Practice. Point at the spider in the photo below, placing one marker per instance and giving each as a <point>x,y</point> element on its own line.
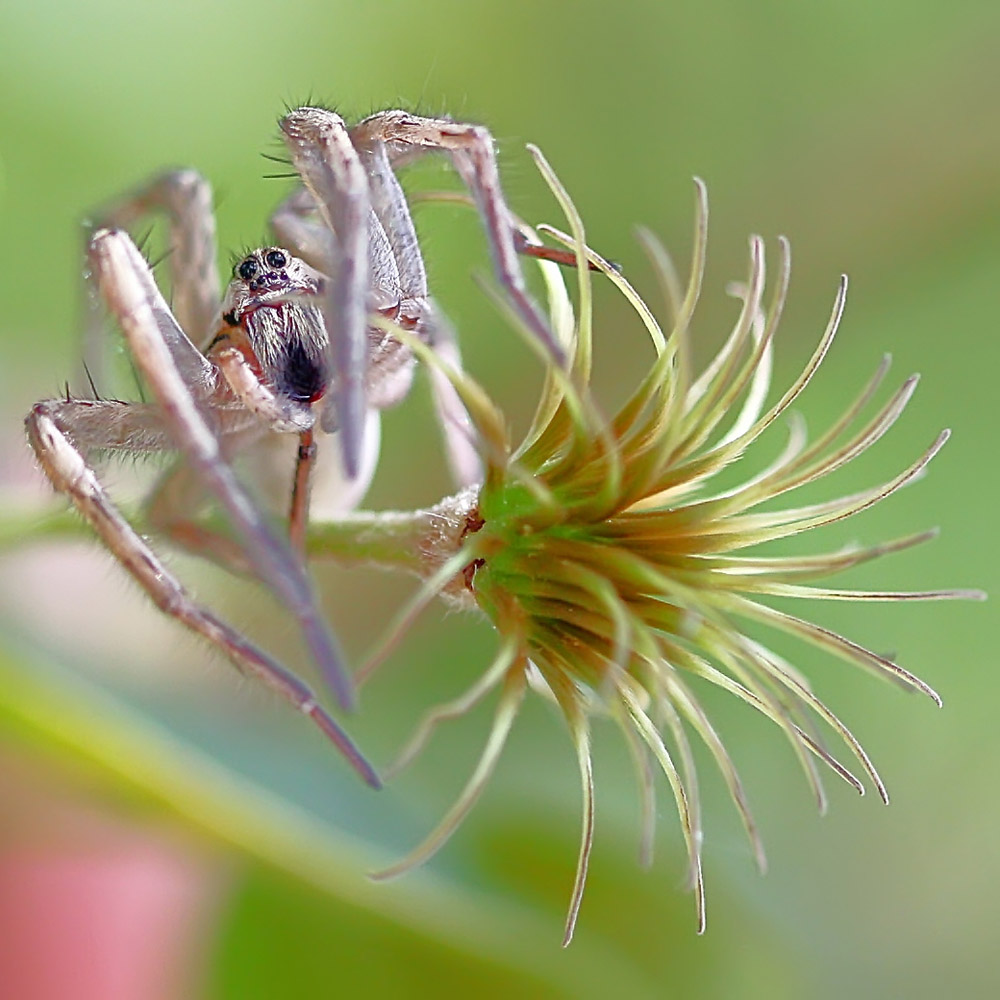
<point>290,351</point>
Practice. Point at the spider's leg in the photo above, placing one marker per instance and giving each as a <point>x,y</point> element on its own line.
<point>298,512</point>
<point>134,299</point>
<point>470,148</point>
<point>109,425</point>
<point>70,474</point>
<point>294,226</point>
<point>185,198</point>
<point>112,425</point>
<point>279,413</point>
<point>393,213</point>
<point>332,171</point>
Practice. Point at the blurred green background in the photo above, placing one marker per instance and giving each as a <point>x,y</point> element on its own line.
<point>867,133</point>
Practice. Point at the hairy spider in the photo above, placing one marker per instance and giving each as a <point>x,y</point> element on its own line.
<point>291,350</point>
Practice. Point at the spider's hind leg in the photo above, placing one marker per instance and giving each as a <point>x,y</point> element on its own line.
<point>331,170</point>
<point>185,198</point>
<point>70,474</point>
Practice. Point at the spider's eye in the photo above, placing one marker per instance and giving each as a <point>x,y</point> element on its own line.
<point>275,258</point>
<point>247,269</point>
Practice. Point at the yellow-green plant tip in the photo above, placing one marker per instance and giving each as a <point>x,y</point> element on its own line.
<point>458,707</point>
<point>514,685</point>
<point>582,353</point>
<point>573,704</point>
<point>664,269</point>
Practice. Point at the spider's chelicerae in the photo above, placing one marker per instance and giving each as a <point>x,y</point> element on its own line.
<point>291,350</point>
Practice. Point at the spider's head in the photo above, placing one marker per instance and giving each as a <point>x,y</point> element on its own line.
<point>266,276</point>
<point>271,300</point>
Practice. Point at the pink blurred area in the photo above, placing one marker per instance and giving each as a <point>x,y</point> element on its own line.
<point>93,905</point>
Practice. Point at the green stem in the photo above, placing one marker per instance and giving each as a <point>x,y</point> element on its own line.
<point>419,541</point>
<point>393,539</point>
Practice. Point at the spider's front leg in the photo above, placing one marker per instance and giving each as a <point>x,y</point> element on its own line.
<point>50,426</point>
<point>332,171</point>
<point>416,309</point>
